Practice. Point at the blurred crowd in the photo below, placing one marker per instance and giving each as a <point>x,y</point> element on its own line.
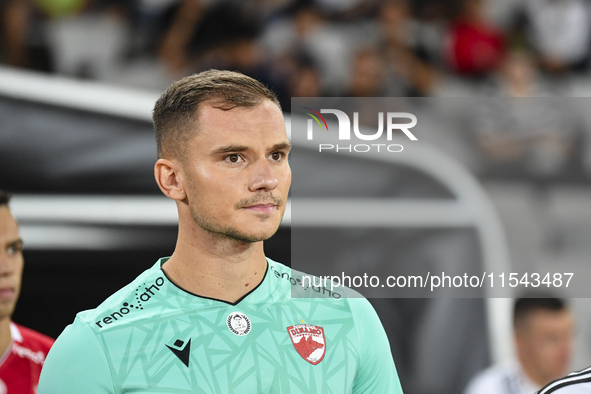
<point>352,48</point>
<point>359,48</point>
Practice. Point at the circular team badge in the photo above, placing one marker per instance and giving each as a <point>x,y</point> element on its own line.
<point>238,323</point>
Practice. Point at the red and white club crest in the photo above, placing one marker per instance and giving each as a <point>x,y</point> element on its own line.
<point>308,341</point>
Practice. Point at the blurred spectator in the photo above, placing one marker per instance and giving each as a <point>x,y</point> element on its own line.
<point>543,335</point>
<point>430,25</point>
<point>560,33</point>
<point>23,35</point>
<point>346,10</point>
<point>173,44</point>
<point>518,76</point>
<point>72,37</point>
<point>305,82</point>
<point>409,75</point>
<point>475,47</point>
<point>368,75</point>
<point>324,42</point>
<point>149,20</point>
<point>89,41</point>
<point>23,350</point>
<point>205,34</point>
<point>294,75</point>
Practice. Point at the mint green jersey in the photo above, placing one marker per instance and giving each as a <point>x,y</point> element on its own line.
<point>154,337</point>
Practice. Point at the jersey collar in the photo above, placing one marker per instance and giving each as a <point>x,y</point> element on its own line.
<point>251,296</point>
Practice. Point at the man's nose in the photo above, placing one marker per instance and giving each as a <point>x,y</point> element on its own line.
<point>263,177</point>
<point>5,264</point>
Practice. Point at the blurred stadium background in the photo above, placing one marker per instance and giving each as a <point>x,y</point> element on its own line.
<point>78,79</point>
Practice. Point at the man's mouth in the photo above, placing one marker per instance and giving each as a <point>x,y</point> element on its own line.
<point>7,293</point>
<point>262,208</point>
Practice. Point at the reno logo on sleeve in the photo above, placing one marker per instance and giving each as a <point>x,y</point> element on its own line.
<point>143,294</point>
<point>308,341</point>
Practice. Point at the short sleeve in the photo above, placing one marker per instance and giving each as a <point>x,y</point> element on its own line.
<point>76,364</point>
<point>376,373</point>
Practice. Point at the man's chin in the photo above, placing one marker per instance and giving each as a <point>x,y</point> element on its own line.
<point>6,311</point>
<point>242,236</point>
<point>250,238</point>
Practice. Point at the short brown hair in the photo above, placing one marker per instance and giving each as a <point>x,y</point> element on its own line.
<point>539,302</point>
<point>176,112</point>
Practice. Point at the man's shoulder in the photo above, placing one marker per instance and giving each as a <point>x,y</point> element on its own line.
<point>30,338</point>
<point>574,383</point>
<point>305,285</point>
<point>302,287</point>
<point>130,299</point>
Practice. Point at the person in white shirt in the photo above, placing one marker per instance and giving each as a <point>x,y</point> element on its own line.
<point>543,334</point>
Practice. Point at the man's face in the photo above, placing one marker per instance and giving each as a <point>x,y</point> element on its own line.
<point>237,173</point>
<point>11,263</point>
<point>545,342</point>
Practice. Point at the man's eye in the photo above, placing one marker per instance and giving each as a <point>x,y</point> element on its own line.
<point>234,158</point>
<point>12,250</point>
<point>277,156</point>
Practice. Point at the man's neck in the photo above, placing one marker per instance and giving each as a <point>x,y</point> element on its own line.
<point>216,267</point>
<point>530,373</point>
<point>5,335</point>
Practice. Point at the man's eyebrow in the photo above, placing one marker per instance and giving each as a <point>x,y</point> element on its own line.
<point>241,148</point>
<point>282,146</point>
<point>230,148</point>
<point>16,242</point>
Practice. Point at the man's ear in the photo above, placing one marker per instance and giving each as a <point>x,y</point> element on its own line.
<point>169,178</point>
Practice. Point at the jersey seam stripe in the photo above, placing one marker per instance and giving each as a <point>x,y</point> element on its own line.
<point>560,383</point>
<point>573,375</point>
<point>359,340</point>
<point>217,299</point>
<point>104,352</point>
<point>578,373</point>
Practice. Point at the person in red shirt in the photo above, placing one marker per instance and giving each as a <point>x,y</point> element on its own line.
<point>23,350</point>
<point>475,47</point>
